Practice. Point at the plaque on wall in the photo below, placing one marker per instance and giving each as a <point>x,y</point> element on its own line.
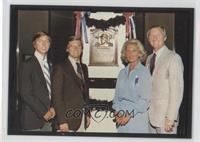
<point>103,47</point>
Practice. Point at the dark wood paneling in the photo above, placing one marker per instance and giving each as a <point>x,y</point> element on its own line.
<point>184,47</point>
<point>62,26</point>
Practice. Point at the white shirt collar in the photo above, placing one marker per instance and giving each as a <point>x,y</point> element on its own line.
<point>39,56</point>
<point>73,62</point>
<point>159,52</point>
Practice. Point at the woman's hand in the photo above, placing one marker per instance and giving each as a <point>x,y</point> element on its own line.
<point>122,119</point>
<point>125,119</point>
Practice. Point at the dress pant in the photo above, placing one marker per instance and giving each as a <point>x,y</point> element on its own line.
<point>161,130</point>
<point>82,126</point>
<point>46,128</point>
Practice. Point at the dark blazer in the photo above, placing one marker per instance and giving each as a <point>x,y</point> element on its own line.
<point>67,94</point>
<point>34,94</point>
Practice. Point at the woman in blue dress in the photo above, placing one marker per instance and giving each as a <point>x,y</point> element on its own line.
<point>133,91</point>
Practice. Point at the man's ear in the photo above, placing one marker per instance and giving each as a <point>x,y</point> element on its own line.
<point>67,50</point>
<point>33,44</point>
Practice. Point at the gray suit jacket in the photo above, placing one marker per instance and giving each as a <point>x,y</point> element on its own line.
<point>34,94</point>
<point>167,87</point>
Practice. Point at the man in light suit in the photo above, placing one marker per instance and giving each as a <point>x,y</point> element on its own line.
<point>167,89</point>
<point>70,90</point>
<point>35,87</point>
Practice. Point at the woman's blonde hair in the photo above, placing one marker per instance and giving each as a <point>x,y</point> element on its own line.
<point>140,47</point>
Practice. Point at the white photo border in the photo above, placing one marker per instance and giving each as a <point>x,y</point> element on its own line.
<point>137,3</point>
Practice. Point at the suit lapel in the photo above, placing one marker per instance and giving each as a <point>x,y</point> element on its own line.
<point>148,61</point>
<point>39,70</point>
<point>73,73</point>
<point>162,59</point>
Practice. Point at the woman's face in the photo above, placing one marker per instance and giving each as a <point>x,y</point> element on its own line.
<point>132,53</point>
<point>42,44</point>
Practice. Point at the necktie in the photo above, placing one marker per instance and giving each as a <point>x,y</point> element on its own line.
<point>152,63</point>
<point>81,76</point>
<point>80,71</point>
<point>47,77</point>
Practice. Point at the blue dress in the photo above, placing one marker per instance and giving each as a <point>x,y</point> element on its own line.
<point>132,94</point>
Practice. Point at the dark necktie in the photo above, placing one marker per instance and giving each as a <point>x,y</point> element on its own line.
<point>81,76</point>
<point>152,63</point>
<point>80,71</point>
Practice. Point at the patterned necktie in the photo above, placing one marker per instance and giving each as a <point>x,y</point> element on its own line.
<point>47,76</point>
<point>152,63</point>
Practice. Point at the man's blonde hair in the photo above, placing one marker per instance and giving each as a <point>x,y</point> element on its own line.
<point>76,40</point>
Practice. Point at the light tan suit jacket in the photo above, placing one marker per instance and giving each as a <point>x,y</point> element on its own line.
<point>167,87</point>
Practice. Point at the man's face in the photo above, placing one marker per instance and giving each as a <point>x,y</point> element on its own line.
<point>42,44</point>
<point>156,38</point>
<point>74,50</point>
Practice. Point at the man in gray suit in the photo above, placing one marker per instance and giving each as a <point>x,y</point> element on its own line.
<point>166,68</point>
<point>35,87</point>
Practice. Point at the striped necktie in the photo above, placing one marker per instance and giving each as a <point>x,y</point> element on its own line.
<point>47,76</point>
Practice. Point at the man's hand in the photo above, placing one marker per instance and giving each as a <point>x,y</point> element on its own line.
<point>53,113</point>
<point>169,125</point>
<point>50,114</point>
<point>47,116</point>
<point>64,127</point>
<point>87,121</point>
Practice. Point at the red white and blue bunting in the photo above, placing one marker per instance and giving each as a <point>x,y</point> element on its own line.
<point>83,21</point>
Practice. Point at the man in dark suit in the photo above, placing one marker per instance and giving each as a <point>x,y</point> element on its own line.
<point>35,87</point>
<point>70,90</point>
